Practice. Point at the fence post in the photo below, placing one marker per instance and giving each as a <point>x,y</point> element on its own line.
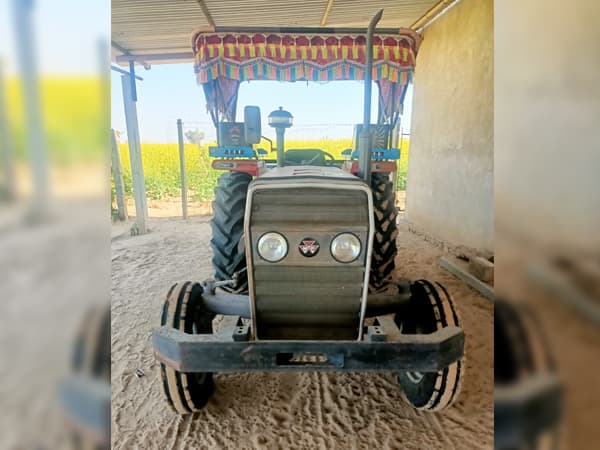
<point>135,156</point>
<point>117,173</point>
<point>184,205</point>
<point>7,149</point>
<point>395,132</point>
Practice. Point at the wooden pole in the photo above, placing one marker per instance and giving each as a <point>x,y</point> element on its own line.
<point>7,148</point>
<point>117,173</point>
<point>182,169</point>
<point>135,156</point>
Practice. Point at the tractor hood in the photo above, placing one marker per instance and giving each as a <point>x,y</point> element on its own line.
<point>307,293</point>
<point>307,171</point>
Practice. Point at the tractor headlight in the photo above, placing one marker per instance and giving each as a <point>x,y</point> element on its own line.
<point>345,247</point>
<point>272,247</point>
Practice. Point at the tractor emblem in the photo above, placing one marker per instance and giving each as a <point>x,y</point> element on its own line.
<point>309,247</point>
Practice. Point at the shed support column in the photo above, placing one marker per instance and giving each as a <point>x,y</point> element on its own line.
<point>135,155</point>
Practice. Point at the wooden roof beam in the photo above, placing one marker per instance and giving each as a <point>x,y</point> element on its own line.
<point>431,15</point>
<point>207,14</point>
<point>325,17</point>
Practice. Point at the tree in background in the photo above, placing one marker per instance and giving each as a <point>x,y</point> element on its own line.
<point>194,136</point>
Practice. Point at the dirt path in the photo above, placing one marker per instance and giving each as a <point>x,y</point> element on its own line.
<point>280,410</point>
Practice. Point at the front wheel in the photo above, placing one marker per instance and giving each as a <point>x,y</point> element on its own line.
<point>429,309</point>
<point>186,392</point>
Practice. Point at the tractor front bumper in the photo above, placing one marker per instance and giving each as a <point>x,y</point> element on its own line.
<point>383,348</point>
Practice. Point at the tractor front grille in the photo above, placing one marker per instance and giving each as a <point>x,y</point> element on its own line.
<point>307,297</point>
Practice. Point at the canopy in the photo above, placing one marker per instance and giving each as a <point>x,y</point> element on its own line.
<point>223,60</point>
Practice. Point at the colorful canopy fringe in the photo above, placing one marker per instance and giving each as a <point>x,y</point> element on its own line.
<point>293,58</point>
<point>224,60</point>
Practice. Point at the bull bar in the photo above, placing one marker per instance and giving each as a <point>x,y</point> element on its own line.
<point>382,348</point>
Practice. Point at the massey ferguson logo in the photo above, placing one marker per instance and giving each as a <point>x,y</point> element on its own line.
<point>309,247</point>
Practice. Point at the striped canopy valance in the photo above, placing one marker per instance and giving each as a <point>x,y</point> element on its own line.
<point>287,57</point>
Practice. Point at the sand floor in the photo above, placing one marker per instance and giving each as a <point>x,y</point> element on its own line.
<point>280,410</point>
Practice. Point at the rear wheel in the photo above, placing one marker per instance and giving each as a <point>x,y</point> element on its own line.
<point>227,224</point>
<point>429,309</point>
<point>186,392</point>
<point>386,231</point>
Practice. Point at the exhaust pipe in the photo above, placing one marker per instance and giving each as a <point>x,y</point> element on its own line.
<point>364,139</point>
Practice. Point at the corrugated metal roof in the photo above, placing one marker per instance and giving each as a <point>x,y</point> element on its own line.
<point>163,29</point>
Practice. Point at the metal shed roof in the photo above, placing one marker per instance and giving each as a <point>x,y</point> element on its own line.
<point>159,31</point>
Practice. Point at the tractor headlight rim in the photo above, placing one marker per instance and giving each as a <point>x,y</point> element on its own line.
<point>267,247</point>
<point>346,247</point>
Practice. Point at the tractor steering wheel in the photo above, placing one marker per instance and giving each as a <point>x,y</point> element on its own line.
<point>324,153</point>
<point>309,162</point>
<point>329,155</point>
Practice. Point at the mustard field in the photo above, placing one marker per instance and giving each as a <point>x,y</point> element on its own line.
<point>162,175</point>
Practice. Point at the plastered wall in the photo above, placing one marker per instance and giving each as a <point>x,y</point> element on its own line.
<point>450,192</point>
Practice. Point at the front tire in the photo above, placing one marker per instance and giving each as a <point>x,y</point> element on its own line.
<point>429,309</point>
<point>186,392</point>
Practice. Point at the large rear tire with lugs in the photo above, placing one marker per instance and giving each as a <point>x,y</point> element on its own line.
<point>186,392</point>
<point>386,231</point>
<point>430,309</point>
<point>227,224</point>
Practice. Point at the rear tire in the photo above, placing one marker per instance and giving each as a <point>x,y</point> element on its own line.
<point>227,224</point>
<point>186,392</point>
<point>429,309</point>
<point>386,231</point>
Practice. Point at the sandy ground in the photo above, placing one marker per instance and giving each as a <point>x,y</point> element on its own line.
<point>280,410</point>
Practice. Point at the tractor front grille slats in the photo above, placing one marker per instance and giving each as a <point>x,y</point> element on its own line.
<point>309,207</point>
<point>300,297</point>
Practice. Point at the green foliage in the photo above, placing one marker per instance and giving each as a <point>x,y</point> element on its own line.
<point>162,174</point>
<point>403,165</point>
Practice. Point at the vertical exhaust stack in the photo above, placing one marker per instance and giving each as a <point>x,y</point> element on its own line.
<point>364,139</point>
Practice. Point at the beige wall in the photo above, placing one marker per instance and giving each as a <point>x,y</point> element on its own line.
<point>450,192</point>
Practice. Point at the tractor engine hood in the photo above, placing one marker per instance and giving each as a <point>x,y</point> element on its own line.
<point>305,292</point>
<point>306,171</point>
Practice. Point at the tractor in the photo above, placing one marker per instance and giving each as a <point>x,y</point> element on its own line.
<point>303,244</point>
